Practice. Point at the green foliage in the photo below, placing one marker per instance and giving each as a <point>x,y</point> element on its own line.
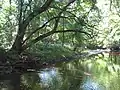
<point>51,51</point>
<point>83,15</point>
<point>7,25</point>
<point>74,17</point>
<point>86,16</point>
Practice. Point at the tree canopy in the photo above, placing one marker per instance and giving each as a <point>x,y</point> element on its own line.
<point>25,22</point>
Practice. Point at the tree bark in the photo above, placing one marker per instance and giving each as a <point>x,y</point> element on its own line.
<point>17,45</point>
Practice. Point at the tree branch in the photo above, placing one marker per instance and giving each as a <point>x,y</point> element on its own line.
<point>50,33</point>
<point>17,45</point>
<point>37,11</point>
<point>75,30</point>
<point>20,17</point>
<point>41,27</point>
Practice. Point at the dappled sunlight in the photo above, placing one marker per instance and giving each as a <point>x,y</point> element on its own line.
<point>99,74</point>
<point>104,72</point>
<point>60,44</point>
<point>90,84</point>
<point>50,78</point>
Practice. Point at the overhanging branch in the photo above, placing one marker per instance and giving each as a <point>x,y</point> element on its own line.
<point>57,20</point>
<point>17,45</point>
<point>37,11</point>
<point>50,33</point>
<point>41,27</point>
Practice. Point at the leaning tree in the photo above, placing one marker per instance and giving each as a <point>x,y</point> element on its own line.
<point>25,23</point>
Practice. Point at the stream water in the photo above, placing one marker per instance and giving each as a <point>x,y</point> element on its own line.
<point>98,72</point>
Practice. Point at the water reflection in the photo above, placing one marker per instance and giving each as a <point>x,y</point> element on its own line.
<point>47,74</point>
<point>50,78</point>
<point>101,72</point>
<point>50,75</point>
<point>90,84</point>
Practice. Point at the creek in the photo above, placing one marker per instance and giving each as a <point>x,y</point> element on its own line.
<point>96,72</point>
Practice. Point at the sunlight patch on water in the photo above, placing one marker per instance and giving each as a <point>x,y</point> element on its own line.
<point>48,75</point>
<point>90,84</point>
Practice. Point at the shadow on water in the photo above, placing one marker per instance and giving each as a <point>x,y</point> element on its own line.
<point>10,81</point>
<point>101,72</point>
